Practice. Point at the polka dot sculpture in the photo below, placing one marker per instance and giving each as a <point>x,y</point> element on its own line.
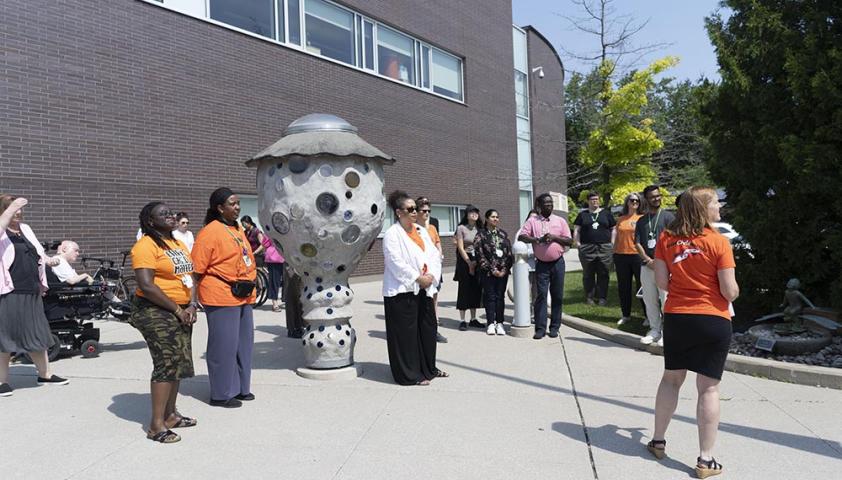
<point>320,195</point>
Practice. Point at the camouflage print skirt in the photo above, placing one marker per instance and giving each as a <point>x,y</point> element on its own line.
<point>168,340</point>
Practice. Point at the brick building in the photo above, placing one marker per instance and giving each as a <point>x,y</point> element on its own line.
<point>108,104</point>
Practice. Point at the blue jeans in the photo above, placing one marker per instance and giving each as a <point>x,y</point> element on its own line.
<point>550,277</point>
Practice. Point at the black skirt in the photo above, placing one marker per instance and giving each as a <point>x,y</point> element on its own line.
<point>698,343</point>
<point>469,294</point>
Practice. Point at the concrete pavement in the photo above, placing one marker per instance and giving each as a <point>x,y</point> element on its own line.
<point>578,407</point>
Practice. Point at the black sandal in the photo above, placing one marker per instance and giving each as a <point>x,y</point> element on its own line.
<point>707,468</point>
<point>658,448</point>
<point>184,422</point>
<point>442,374</point>
<point>165,436</point>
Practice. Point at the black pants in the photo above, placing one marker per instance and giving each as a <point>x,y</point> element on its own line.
<point>411,337</point>
<point>276,279</point>
<point>494,295</point>
<point>628,267</point>
<point>596,260</point>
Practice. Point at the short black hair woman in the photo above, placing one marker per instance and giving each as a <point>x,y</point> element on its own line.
<point>469,295</point>
<point>410,280</point>
<point>494,257</point>
<point>164,311</point>
<point>224,260</point>
<point>695,264</point>
<point>23,281</point>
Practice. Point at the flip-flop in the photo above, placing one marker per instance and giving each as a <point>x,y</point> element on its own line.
<point>184,422</point>
<point>165,436</point>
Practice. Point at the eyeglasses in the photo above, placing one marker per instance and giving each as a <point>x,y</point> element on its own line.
<point>410,209</point>
<point>166,214</point>
<point>184,222</point>
<point>425,211</point>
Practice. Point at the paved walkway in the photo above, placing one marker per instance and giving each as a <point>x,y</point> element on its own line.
<point>577,408</point>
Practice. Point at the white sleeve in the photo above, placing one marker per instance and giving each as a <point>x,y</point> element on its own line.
<point>394,261</point>
<point>64,271</point>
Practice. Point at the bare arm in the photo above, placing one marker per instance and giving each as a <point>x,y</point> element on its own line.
<point>153,293</point>
<point>260,249</point>
<point>806,300</point>
<point>662,274</point>
<point>6,216</point>
<point>460,247</point>
<point>645,259</point>
<point>728,284</point>
<point>82,277</point>
<point>614,236</point>
<point>576,235</point>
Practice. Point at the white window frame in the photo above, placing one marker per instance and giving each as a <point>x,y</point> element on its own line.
<point>303,47</point>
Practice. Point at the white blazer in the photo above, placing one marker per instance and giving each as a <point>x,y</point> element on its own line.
<point>404,261</point>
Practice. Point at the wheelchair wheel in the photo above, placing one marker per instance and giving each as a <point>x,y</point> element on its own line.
<point>262,288</point>
<point>89,348</point>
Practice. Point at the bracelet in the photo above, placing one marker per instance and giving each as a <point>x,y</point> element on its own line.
<point>178,311</point>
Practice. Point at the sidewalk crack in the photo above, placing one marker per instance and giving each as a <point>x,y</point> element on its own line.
<point>579,408</point>
<point>364,435</point>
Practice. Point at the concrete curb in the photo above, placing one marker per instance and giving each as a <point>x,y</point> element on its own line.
<point>759,367</point>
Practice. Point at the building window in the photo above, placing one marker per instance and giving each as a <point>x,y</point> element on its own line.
<point>447,75</point>
<point>395,55</point>
<point>521,95</point>
<point>256,16</point>
<point>368,42</point>
<point>281,23</point>
<point>294,16</point>
<point>329,31</point>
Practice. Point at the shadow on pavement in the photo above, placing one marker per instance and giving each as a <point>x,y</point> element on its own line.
<point>377,334</point>
<point>624,441</point>
<point>377,372</point>
<point>132,407</point>
<point>803,443</point>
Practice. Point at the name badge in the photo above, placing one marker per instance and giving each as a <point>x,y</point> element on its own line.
<point>595,225</point>
<point>187,280</point>
<point>499,252</point>
<point>651,243</point>
<point>247,260</point>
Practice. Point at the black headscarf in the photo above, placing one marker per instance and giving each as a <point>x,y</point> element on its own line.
<point>217,198</point>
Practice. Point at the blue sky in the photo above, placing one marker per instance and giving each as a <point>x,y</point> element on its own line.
<point>678,22</point>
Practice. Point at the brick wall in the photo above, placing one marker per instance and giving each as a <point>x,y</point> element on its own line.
<point>108,104</point>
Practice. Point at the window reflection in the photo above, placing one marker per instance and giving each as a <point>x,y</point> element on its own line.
<point>256,16</point>
<point>329,31</point>
<point>395,55</point>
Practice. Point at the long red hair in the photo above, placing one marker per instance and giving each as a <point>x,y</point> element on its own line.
<point>692,215</point>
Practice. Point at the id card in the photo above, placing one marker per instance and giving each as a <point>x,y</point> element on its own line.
<point>187,280</point>
<point>595,225</point>
<point>499,253</point>
<point>651,243</point>
<point>247,260</point>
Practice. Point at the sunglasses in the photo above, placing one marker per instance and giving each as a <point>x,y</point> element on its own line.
<point>410,209</point>
<point>184,222</point>
<point>634,200</point>
<point>166,214</point>
<point>425,211</point>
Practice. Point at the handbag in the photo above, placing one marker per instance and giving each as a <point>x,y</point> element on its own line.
<point>239,288</point>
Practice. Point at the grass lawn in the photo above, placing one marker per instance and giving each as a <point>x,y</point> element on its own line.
<point>574,304</point>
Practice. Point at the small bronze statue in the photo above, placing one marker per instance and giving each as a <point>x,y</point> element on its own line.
<point>793,306</point>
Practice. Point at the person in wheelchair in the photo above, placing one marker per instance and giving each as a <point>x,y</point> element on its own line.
<point>68,252</point>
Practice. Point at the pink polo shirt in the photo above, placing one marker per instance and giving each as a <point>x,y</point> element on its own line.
<point>537,226</point>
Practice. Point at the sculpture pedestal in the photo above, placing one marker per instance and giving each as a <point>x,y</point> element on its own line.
<point>345,373</point>
<point>522,332</point>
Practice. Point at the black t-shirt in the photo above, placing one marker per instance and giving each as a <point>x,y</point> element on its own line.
<point>595,227</point>
<point>649,227</point>
<point>24,269</point>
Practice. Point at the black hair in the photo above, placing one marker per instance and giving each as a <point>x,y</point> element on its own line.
<point>422,201</point>
<point>650,188</point>
<point>397,199</point>
<point>247,219</point>
<point>145,218</point>
<point>217,198</point>
<point>490,211</point>
<point>469,209</point>
<point>181,215</point>
<point>540,198</point>
<point>593,193</point>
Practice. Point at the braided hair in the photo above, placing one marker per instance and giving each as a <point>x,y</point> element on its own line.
<point>145,218</point>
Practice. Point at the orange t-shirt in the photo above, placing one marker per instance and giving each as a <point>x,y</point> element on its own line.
<point>416,237</point>
<point>173,268</point>
<point>693,264</point>
<point>434,234</point>
<point>624,243</point>
<point>219,251</point>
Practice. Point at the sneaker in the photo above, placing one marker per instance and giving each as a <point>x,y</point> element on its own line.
<point>463,326</point>
<point>500,329</point>
<point>53,380</point>
<point>661,342</point>
<point>622,320</point>
<point>5,390</point>
<point>491,330</point>
<point>539,334</point>
<point>602,302</point>
<point>441,338</point>
<point>589,301</point>
<point>553,333</point>
<point>650,337</point>
<point>475,323</point>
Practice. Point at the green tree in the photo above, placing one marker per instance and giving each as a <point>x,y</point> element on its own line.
<point>621,145</point>
<point>775,127</point>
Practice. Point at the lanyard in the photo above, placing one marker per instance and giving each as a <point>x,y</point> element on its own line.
<point>239,244</point>
<point>594,216</point>
<point>652,233</point>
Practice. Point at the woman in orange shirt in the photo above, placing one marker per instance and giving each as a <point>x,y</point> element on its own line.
<point>224,259</point>
<point>164,310</point>
<point>695,264</point>
<point>626,259</point>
